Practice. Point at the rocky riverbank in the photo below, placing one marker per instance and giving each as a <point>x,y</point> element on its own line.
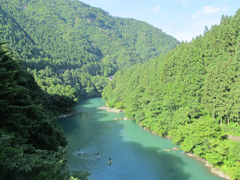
<point>115,110</point>
<point>146,128</point>
<point>111,109</point>
<point>125,119</point>
<point>213,169</point>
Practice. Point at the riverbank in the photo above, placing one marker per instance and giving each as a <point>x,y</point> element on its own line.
<point>111,109</point>
<point>117,111</point>
<point>213,169</point>
<point>125,119</point>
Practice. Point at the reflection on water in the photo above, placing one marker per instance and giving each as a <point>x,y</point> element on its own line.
<point>136,153</point>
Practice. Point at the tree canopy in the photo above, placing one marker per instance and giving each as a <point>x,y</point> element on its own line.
<point>66,43</point>
<point>32,145</point>
<point>190,94</point>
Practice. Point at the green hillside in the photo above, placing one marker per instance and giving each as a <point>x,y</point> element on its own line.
<point>190,94</point>
<point>32,145</point>
<point>71,48</point>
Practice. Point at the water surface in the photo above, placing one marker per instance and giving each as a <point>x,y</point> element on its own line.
<point>137,154</point>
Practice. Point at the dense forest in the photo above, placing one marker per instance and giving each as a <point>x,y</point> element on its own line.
<point>32,145</point>
<point>56,52</point>
<point>59,51</point>
<point>71,48</point>
<point>191,94</point>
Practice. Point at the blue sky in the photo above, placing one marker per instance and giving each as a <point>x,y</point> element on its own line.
<point>183,19</point>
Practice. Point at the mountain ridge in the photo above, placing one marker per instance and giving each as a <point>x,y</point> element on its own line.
<point>71,35</point>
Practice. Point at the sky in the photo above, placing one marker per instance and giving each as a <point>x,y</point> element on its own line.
<point>182,19</point>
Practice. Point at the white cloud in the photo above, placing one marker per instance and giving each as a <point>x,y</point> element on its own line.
<point>206,10</point>
<point>209,10</point>
<point>194,16</point>
<point>183,0</point>
<point>156,9</point>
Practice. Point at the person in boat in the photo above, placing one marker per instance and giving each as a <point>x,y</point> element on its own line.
<point>110,161</point>
<point>98,156</point>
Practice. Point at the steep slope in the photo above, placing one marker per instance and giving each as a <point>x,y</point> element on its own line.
<point>32,145</point>
<point>55,36</point>
<point>190,94</point>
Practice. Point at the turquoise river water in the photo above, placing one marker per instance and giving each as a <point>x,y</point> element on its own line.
<point>137,154</point>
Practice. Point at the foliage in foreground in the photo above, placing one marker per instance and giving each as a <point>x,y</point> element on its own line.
<point>32,145</point>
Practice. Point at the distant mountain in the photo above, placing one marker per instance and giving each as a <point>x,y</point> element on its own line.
<point>71,48</point>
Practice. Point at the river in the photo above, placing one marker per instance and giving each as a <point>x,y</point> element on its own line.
<point>137,154</point>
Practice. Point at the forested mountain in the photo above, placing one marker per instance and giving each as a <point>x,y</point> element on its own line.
<point>32,145</point>
<point>71,48</point>
<point>190,94</point>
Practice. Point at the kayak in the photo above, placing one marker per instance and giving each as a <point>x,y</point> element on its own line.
<point>110,161</point>
<point>166,149</point>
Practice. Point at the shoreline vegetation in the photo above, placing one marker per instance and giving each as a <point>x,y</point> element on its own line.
<point>214,170</point>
